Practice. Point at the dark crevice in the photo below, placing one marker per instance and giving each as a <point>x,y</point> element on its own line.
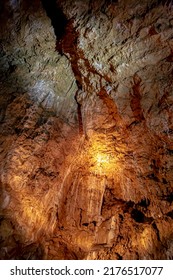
<point>80,216</point>
<point>156,230</point>
<point>138,216</point>
<point>58,19</point>
<point>119,257</point>
<point>164,181</point>
<point>121,218</point>
<point>144,203</point>
<point>91,223</point>
<point>85,224</point>
<point>170,214</point>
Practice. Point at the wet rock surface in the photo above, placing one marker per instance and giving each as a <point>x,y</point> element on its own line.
<point>86,147</point>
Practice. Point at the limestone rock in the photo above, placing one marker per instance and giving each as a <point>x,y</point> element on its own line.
<point>86,147</point>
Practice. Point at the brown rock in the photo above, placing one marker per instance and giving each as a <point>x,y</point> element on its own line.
<point>86,134</point>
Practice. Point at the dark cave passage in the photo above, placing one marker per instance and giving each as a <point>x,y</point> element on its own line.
<point>58,19</point>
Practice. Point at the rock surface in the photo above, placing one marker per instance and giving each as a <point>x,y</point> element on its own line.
<point>86,147</point>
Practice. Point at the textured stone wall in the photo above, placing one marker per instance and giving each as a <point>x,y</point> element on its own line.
<point>38,115</point>
<point>86,130</point>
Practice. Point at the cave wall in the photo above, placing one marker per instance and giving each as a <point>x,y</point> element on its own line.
<point>36,124</point>
<point>86,129</point>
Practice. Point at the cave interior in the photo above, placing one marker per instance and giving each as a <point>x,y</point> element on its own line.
<point>86,130</point>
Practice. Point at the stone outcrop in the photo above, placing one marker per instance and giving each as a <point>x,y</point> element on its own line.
<point>86,130</point>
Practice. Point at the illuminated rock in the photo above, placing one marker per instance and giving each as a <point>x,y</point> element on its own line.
<point>86,149</point>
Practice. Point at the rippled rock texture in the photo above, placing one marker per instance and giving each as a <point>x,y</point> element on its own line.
<point>86,130</point>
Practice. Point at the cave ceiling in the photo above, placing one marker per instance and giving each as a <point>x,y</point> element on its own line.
<point>86,129</point>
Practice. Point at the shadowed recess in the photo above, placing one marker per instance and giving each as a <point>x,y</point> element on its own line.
<point>57,17</point>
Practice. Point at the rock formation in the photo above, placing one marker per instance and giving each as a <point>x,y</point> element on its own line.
<point>86,129</point>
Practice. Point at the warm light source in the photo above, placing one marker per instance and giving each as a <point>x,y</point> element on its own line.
<point>103,163</point>
<point>103,158</point>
